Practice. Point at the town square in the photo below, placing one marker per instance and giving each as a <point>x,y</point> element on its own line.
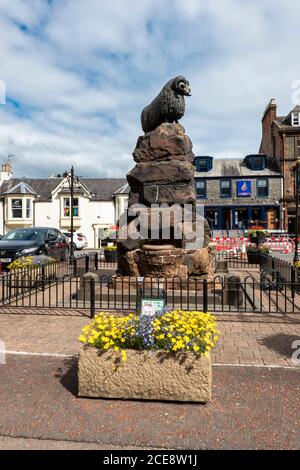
<point>149,229</point>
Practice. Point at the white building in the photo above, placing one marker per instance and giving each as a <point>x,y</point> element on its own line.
<point>28,202</point>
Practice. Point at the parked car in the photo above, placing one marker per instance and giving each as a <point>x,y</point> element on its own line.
<point>32,241</point>
<point>79,240</point>
<point>1,236</point>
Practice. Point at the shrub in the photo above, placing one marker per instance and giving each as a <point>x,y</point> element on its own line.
<point>258,249</point>
<point>174,330</point>
<point>256,232</point>
<point>110,248</point>
<point>26,262</point>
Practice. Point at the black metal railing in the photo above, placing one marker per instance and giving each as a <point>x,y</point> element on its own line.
<point>95,293</point>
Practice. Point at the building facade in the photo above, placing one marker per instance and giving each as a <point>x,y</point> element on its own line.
<point>281,140</point>
<point>239,193</point>
<point>27,202</point>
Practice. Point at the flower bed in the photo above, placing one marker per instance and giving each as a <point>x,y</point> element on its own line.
<point>30,271</point>
<point>26,262</point>
<point>165,357</point>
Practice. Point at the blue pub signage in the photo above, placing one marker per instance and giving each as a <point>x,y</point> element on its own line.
<point>243,188</point>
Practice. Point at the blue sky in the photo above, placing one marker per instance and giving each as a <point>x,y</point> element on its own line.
<point>79,72</point>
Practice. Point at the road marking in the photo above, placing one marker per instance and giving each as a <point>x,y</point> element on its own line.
<point>263,366</point>
<point>26,353</point>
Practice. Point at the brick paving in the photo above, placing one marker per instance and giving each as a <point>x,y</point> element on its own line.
<point>245,338</point>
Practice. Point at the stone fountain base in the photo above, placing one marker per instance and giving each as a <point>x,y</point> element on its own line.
<point>167,261</point>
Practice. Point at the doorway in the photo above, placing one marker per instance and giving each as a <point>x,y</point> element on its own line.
<point>241,218</point>
<point>272,219</point>
<point>226,219</point>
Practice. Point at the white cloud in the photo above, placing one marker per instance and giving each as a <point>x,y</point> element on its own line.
<point>81,73</point>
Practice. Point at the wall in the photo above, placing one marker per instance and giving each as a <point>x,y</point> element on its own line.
<point>213,192</point>
<point>91,215</point>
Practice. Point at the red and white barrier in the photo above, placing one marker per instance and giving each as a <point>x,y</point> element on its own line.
<point>275,244</point>
<point>229,243</point>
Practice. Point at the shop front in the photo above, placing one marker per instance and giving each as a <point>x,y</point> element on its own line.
<point>243,217</point>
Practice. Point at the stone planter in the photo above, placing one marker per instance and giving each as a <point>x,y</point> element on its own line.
<point>146,375</point>
<point>111,256</point>
<point>253,257</point>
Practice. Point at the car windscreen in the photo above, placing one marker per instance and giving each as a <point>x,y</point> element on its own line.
<point>28,234</point>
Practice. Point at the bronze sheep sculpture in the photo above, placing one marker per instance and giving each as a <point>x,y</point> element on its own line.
<point>168,106</point>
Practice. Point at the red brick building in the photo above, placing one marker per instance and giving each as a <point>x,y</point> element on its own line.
<point>281,139</point>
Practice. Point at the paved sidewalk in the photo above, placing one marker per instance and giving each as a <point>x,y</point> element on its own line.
<point>252,408</point>
<point>245,339</point>
<point>27,443</point>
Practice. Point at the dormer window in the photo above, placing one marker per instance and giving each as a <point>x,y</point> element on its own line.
<point>203,163</point>
<point>295,119</point>
<point>256,162</point>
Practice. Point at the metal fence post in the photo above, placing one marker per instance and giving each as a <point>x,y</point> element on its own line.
<point>205,297</point>
<point>87,263</point>
<point>75,267</point>
<point>96,261</point>
<point>92,288</point>
<point>293,280</point>
<point>43,278</point>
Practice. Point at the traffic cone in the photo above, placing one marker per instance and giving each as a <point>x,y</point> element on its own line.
<point>235,253</point>
<point>243,251</point>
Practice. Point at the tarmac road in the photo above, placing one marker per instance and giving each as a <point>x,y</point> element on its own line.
<point>252,408</point>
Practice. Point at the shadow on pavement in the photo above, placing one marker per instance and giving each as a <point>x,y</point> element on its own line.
<point>280,343</point>
<point>67,373</point>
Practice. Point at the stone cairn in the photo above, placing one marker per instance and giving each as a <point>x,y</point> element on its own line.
<point>163,175</point>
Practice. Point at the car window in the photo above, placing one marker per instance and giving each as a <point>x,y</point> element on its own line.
<point>25,234</point>
<point>52,233</point>
<point>61,236</point>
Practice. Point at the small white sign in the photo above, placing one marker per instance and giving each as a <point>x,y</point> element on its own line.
<point>152,306</point>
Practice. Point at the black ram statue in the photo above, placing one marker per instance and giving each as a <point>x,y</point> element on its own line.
<point>168,106</point>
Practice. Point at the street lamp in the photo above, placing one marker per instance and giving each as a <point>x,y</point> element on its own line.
<point>297,178</point>
<point>70,178</point>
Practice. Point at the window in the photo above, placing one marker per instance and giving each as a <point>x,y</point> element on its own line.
<point>298,148</point>
<point>16,208</point>
<point>295,119</point>
<point>67,207</point>
<point>262,187</point>
<point>201,188</point>
<point>257,162</point>
<point>203,163</point>
<point>28,208</point>
<point>225,188</point>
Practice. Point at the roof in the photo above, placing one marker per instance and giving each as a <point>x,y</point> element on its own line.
<point>21,188</point>
<point>124,189</point>
<point>102,189</point>
<point>237,168</point>
<point>285,122</point>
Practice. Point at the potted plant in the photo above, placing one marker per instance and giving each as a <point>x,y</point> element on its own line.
<point>111,254</point>
<point>257,254</point>
<point>257,235</point>
<point>159,357</point>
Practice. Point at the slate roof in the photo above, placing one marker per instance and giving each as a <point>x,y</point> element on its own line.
<point>102,189</point>
<point>21,188</point>
<point>285,122</point>
<point>236,167</point>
